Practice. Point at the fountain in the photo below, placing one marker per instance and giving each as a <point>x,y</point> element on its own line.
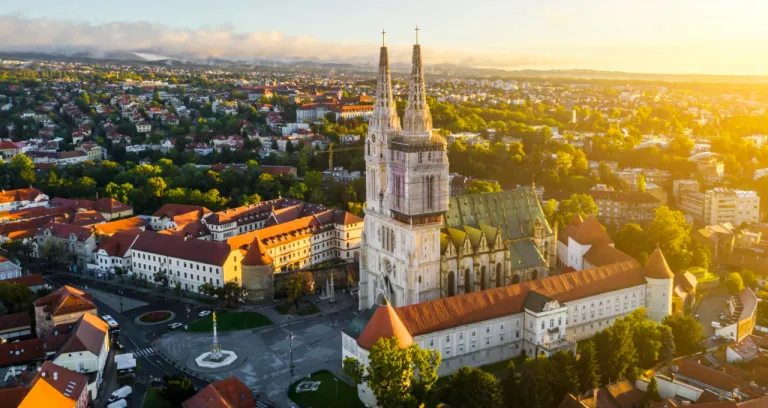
<point>216,358</point>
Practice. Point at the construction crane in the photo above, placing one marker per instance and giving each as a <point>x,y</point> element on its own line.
<point>331,151</point>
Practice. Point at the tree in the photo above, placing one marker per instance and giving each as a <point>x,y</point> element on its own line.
<point>581,204</point>
<point>667,350</point>
<point>50,250</point>
<point>587,368</point>
<point>671,233</point>
<point>177,389</point>
<point>161,278</point>
<point>120,272</point>
<point>23,171</point>
<point>391,374</point>
<point>469,388</point>
<point>565,378</point>
<point>231,292</point>
<point>641,183</point>
<point>686,332</point>
<point>298,285</point>
<point>734,283</point>
<point>481,186</point>
<point>616,353</point>
<point>535,384</point>
<point>631,240</point>
<point>207,288</point>
<point>16,297</point>
<point>652,392</point>
<point>748,276</point>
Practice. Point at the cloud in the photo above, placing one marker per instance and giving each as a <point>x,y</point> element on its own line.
<point>20,33</point>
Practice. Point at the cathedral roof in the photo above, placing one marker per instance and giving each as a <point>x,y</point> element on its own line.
<point>457,236</point>
<point>513,211</point>
<point>475,236</point>
<point>454,311</point>
<point>523,254</point>
<point>490,234</point>
<point>656,267</point>
<point>385,323</point>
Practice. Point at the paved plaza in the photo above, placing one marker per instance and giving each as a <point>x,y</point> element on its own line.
<point>113,301</point>
<point>267,352</point>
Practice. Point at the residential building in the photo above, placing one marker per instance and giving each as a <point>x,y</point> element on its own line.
<point>109,208</point>
<point>86,350</point>
<point>680,187</point>
<point>711,169</point>
<point>341,175</point>
<point>622,207</point>
<point>108,229</point>
<point>62,306</point>
<point>56,386</point>
<point>279,170</point>
<point>185,261</point>
<point>228,223</point>
<point>230,392</point>
<point>20,357</point>
<point>72,157</point>
<point>721,205</point>
<point>9,149</point>
<point>114,252</point>
<point>66,242</point>
<point>173,215</point>
<point>584,244</point>
<point>8,269</point>
<point>143,127</point>
<point>354,111</point>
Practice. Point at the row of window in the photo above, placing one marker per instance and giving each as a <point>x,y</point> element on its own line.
<point>196,266</point>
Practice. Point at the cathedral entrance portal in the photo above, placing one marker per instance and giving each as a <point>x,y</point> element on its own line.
<point>483,278</point>
<point>516,279</point>
<point>451,284</point>
<point>498,276</point>
<point>467,284</point>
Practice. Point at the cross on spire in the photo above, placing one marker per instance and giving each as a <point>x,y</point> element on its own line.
<point>382,37</point>
<point>417,34</point>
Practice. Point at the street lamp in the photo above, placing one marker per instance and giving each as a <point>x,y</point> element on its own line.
<point>121,300</point>
<point>336,380</point>
<point>290,346</point>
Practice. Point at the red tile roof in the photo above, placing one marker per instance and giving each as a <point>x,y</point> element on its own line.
<point>126,224</point>
<point>605,254</point>
<point>191,249</point>
<point>473,307</point>
<point>119,243</point>
<point>172,210</point>
<point>65,231</point>
<point>88,334</point>
<point>586,232</point>
<point>32,280</point>
<point>110,206</point>
<point>66,300</point>
<point>12,397</point>
<point>385,323</point>
<point>87,218</point>
<point>21,352</point>
<point>228,393</point>
<point>656,267</point>
<point>14,321</point>
<point>55,387</point>
<point>23,194</point>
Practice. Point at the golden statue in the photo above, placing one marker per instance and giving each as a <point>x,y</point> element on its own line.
<point>214,317</point>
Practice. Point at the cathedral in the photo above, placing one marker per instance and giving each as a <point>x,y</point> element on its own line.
<point>419,244</point>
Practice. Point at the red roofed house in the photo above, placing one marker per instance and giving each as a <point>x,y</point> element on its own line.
<point>228,393</point>
<point>168,215</point>
<point>64,305</point>
<point>279,170</point>
<point>114,252</point>
<point>20,357</point>
<point>57,387</point>
<point>15,325</point>
<point>15,199</point>
<point>9,149</point>
<point>86,350</point>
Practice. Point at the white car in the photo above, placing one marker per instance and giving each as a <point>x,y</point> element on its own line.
<point>204,313</point>
<point>175,325</point>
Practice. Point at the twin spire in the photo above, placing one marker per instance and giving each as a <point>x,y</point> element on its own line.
<point>417,121</point>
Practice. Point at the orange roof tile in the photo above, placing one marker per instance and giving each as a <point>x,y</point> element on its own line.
<point>125,224</point>
<point>55,387</point>
<point>605,254</point>
<point>227,393</point>
<point>449,312</point>
<point>385,323</point>
<point>257,256</point>
<point>656,267</point>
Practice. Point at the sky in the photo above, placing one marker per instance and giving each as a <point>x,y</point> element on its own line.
<point>651,36</point>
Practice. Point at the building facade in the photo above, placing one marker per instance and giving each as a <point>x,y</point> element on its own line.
<point>722,205</point>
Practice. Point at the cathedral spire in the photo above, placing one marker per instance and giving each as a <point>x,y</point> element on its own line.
<point>418,119</point>
<point>384,112</point>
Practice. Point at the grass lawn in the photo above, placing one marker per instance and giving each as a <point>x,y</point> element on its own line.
<point>153,399</point>
<point>230,321</point>
<point>325,396</point>
<point>305,308</point>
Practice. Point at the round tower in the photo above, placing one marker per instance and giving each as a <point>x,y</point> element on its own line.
<point>659,291</point>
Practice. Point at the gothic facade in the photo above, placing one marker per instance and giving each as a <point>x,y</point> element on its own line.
<point>418,243</point>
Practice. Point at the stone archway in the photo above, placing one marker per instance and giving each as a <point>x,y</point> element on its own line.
<point>451,284</point>
<point>499,281</point>
<point>467,282</point>
<point>515,279</point>
<point>483,278</point>
<point>535,274</point>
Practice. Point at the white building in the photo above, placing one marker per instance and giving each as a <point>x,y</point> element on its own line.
<point>8,269</point>
<point>86,351</point>
<point>16,199</point>
<point>722,205</point>
<point>143,127</point>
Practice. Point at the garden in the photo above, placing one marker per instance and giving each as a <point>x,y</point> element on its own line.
<point>323,389</point>
<point>230,321</point>
<point>158,316</point>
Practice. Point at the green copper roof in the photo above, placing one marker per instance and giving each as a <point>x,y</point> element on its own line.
<point>513,210</point>
<point>523,254</point>
<point>490,233</point>
<point>356,326</point>
<point>458,237</point>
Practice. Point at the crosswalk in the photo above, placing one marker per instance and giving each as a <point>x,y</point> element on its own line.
<point>144,352</point>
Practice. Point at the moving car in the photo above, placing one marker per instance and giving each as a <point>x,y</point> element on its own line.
<point>716,325</point>
<point>204,313</point>
<point>175,325</point>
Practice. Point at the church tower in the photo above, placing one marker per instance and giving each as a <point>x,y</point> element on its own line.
<point>402,235</point>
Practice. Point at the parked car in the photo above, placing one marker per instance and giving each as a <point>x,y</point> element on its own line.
<point>121,403</point>
<point>204,313</point>
<point>175,325</point>
<point>121,393</point>
<point>723,316</point>
<point>716,325</point>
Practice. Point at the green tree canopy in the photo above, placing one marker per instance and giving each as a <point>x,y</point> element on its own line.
<point>469,388</point>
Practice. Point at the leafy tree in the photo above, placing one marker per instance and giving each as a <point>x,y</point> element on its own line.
<point>231,292</point>
<point>734,283</point>
<point>587,367</point>
<point>652,392</point>
<point>565,377</point>
<point>391,374</point>
<point>616,352</point>
<point>161,278</point>
<point>581,204</point>
<point>667,350</point>
<point>641,185</point>
<point>686,332</point>
<point>469,388</point>
<point>748,277</point>
<point>671,233</point>
<point>23,171</point>
<point>298,285</point>
<point>631,240</point>
<point>177,389</point>
<point>535,383</point>
<point>481,186</point>
<point>16,297</point>
<point>50,250</point>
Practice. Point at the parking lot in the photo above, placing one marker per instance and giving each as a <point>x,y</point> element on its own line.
<point>710,308</point>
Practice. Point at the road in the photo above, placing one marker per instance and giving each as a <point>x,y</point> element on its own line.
<point>137,338</point>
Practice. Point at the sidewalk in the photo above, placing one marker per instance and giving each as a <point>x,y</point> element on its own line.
<point>343,302</point>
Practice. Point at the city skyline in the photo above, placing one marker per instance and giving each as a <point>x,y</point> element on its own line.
<point>686,37</point>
